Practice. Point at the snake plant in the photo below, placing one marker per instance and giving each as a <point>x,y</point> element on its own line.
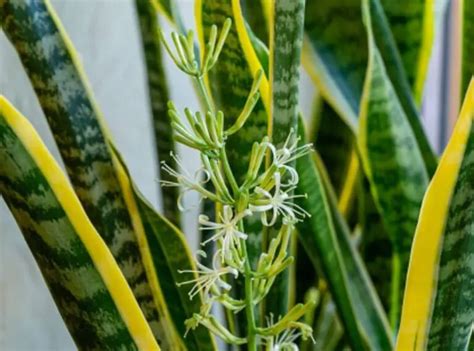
<point>337,230</point>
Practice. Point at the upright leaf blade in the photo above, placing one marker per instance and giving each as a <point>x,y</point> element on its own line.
<point>286,41</point>
<point>90,292</point>
<point>159,97</point>
<point>438,308</point>
<point>467,45</point>
<point>60,84</point>
<point>325,237</point>
<point>336,58</point>
<point>229,82</point>
<point>393,164</point>
<point>412,24</point>
<point>164,252</point>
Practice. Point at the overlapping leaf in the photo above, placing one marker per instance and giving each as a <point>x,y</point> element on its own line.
<point>159,97</point>
<point>438,309</point>
<point>393,163</point>
<point>164,253</point>
<point>95,173</point>
<point>286,41</point>
<point>87,285</point>
<point>412,24</point>
<point>336,58</point>
<point>326,238</point>
<point>50,62</point>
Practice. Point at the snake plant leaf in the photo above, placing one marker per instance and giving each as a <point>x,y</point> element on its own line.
<point>335,53</point>
<point>159,97</point>
<point>164,253</point>
<point>336,57</point>
<point>231,79</point>
<point>412,24</point>
<point>335,144</point>
<point>255,12</point>
<point>326,238</point>
<point>375,244</point>
<point>87,285</point>
<point>79,130</point>
<point>229,82</point>
<point>467,45</point>
<point>286,41</point>
<point>393,164</point>
<point>438,308</point>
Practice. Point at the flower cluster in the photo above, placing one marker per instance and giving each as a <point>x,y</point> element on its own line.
<point>266,190</point>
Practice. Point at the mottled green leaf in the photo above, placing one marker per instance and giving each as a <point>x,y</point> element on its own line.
<point>412,24</point>
<point>87,285</point>
<point>438,308</point>
<point>326,238</point>
<point>286,41</point>
<point>159,97</point>
<point>230,81</point>
<point>165,253</point>
<point>336,57</point>
<point>393,164</point>
<point>60,84</point>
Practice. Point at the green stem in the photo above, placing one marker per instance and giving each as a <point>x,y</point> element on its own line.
<point>249,309</point>
<point>395,291</point>
<point>206,94</point>
<point>228,172</point>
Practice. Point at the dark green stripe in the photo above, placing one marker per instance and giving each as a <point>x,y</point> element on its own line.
<point>159,97</point>
<point>453,311</point>
<point>73,120</point>
<point>77,288</point>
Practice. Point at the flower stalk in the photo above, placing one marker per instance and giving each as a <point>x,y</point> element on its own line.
<point>265,191</point>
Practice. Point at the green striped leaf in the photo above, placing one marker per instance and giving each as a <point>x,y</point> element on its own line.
<point>165,252</point>
<point>393,164</point>
<point>286,41</point>
<point>80,133</point>
<point>231,79</point>
<point>375,244</point>
<point>438,308</point>
<point>326,238</point>
<point>336,58</point>
<point>159,97</point>
<point>87,285</point>
<point>467,45</point>
<point>255,14</point>
<point>229,82</point>
<point>412,24</point>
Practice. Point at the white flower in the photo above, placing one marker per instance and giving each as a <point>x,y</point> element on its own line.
<point>208,278</point>
<point>289,152</point>
<point>186,180</point>
<point>280,203</point>
<point>227,230</point>
<point>286,341</point>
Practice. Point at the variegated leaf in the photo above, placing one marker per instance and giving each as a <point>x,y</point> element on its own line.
<point>393,164</point>
<point>438,308</point>
<point>159,97</point>
<point>335,56</point>
<point>87,285</point>
<point>286,41</point>
<point>412,23</point>
<point>326,238</point>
